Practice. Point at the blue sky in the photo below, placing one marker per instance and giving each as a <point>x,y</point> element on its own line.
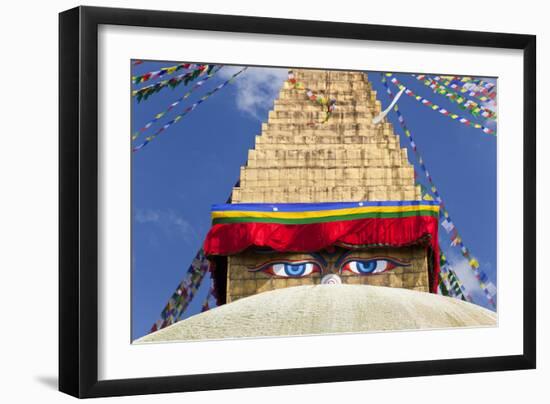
<point>196,162</point>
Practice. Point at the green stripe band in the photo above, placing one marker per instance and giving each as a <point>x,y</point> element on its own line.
<point>371,215</point>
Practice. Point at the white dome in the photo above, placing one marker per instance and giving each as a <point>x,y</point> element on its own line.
<point>325,309</point>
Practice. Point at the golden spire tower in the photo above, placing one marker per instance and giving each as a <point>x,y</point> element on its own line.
<point>300,158</point>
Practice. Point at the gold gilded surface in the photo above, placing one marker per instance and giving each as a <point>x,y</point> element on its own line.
<point>297,158</point>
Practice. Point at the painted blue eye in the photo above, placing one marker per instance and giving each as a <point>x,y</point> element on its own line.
<point>366,267</point>
<point>295,270</point>
<point>372,266</point>
<point>290,270</point>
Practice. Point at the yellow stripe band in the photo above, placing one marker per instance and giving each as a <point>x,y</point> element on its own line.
<point>324,213</point>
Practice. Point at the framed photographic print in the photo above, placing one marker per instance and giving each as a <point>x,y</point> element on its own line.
<point>251,201</point>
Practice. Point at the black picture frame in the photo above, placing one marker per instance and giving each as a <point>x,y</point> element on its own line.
<point>78,201</point>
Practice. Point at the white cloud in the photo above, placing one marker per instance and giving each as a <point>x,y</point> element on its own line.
<point>182,226</point>
<point>256,88</point>
<point>147,216</point>
<point>169,221</point>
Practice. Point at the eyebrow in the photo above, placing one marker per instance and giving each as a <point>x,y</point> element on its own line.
<point>341,258</point>
<point>319,259</point>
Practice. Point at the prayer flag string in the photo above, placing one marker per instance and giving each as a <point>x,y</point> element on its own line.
<point>186,290</point>
<point>439,109</point>
<point>163,72</point>
<point>185,78</point>
<point>174,104</point>
<point>470,81</point>
<point>210,301</point>
<point>443,288</point>
<point>463,103</point>
<point>455,285</point>
<point>447,222</point>
<point>449,283</point>
<point>483,93</point>
<point>178,117</point>
<point>481,87</point>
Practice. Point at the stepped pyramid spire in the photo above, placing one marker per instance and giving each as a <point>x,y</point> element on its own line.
<point>297,158</point>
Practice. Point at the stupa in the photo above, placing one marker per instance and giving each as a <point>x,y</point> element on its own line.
<point>327,199</point>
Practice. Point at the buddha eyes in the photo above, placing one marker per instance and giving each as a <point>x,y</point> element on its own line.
<point>290,269</point>
<point>300,269</point>
<point>371,265</point>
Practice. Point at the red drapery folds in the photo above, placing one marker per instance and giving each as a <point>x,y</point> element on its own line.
<point>311,228</point>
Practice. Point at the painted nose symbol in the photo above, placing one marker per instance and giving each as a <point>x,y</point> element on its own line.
<point>331,279</point>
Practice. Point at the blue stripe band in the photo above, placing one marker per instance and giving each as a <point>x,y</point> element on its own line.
<point>305,207</point>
